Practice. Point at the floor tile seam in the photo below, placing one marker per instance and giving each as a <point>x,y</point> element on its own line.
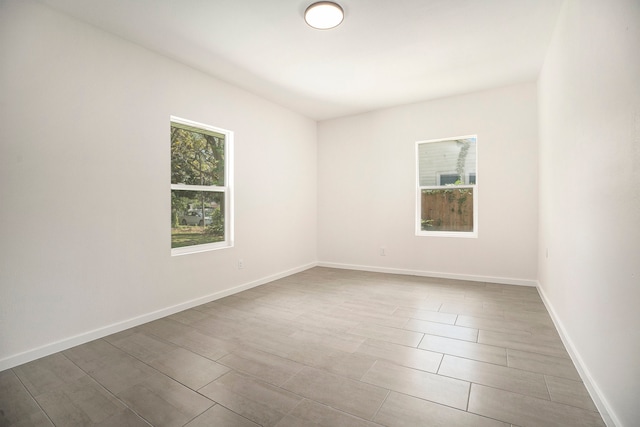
<point>424,310</point>
<point>32,396</point>
<point>566,379</point>
<point>341,411</point>
<point>359,381</point>
<point>513,368</point>
<point>490,329</point>
<point>256,377</point>
<point>587,412</point>
<point>416,347</point>
<point>502,366</point>
<point>302,398</point>
<point>538,341</point>
<point>442,404</point>
<point>495,386</point>
<point>540,373</point>
<point>542,339</point>
<point>375,414</point>
<point>569,404</point>
<point>530,351</point>
<point>442,323</point>
<point>537,398</point>
<point>157,372</point>
<point>463,341</point>
<point>105,389</point>
<point>444,336</point>
<point>225,407</point>
<point>173,344</point>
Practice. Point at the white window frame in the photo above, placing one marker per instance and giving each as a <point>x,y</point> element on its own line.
<point>227,189</point>
<point>418,213</point>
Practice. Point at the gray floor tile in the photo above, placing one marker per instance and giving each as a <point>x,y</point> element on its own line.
<point>188,368</point>
<point>141,345</point>
<point>166,328</point>
<point>122,374</point>
<point>188,317</point>
<point>47,374</point>
<point>400,410</point>
<point>425,385</point>
<point>262,403</point>
<point>497,376</point>
<point>530,343</point>
<point>95,355</point>
<point>126,418</point>
<point>410,357</point>
<point>343,342</point>
<point>17,407</point>
<point>312,414</point>
<point>219,416</point>
<point>265,366</point>
<point>389,334</point>
<point>528,411</point>
<point>476,310</point>
<point>431,316</point>
<point>570,392</point>
<point>443,330</point>
<point>543,364</point>
<point>512,326</point>
<point>164,402</point>
<point>204,345</point>
<point>354,397</point>
<point>470,350</point>
<point>80,403</point>
<point>350,365</point>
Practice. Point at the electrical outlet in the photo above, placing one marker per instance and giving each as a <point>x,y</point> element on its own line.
<point>383,251</point>
<point>240,264</point>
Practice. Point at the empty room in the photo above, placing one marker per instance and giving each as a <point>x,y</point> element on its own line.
<point>296,213</point>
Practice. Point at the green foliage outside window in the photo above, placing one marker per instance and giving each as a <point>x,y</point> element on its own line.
<point>197,159</point>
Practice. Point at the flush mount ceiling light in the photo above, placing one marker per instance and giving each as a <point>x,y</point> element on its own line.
<point>324,15</point>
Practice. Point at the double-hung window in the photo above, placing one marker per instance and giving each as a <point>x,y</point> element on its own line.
<point>201,199</point>
<point>447,189</point>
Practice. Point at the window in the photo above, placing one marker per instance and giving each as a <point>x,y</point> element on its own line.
<point>201,202</point>
<point>447,191</point>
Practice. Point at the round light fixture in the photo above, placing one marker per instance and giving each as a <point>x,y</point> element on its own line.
<point>324,15</point>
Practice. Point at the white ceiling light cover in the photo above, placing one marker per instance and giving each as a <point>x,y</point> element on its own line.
<point>324,15</point>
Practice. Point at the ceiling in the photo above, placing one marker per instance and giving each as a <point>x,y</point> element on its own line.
<point>385,53</point>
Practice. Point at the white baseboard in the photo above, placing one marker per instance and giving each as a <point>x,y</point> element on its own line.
<point>608,416</point>
<point>440,275</point>
<point>64,344</point>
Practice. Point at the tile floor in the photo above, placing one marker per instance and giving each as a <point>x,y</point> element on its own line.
<point>320,348</point>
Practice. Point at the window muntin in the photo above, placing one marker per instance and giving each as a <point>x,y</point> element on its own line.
<point>200,187</point>
<point>447,194</point>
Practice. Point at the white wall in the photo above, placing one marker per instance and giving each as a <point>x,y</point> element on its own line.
<point>84,184</point>
<point>589,92</point>
<point>367,196</point>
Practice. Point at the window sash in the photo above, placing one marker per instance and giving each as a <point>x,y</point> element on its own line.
<point>419,189</point>
<point>226,189</point>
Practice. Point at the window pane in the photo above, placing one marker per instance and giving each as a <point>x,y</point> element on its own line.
<point>197,217</point>
<point>449,209</point>
<point>441,162</point>
<point>197,156</point>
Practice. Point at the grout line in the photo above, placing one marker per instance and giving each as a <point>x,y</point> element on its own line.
<point>381,405</point>
<point>116,397</point>
<point>32,396</point>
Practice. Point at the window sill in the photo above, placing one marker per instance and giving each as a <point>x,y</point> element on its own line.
<point>186,250</point>
<point>465,234</point>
